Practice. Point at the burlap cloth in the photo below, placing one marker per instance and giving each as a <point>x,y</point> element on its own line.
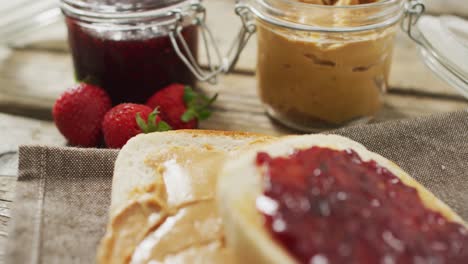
<point>62,195</point>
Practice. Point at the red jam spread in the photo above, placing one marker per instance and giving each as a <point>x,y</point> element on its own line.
<point>130,68</point>
<point>327,206</point>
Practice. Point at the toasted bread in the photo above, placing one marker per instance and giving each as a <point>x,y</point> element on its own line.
<point>163,192</point>
<point>240,184</point>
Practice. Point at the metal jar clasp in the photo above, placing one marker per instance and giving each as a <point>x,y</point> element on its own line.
<point>242,38</point>
<point>216,64</point>
<point>413,11</point>
<point>183,51</point>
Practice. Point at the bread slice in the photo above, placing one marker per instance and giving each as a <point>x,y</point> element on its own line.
<point>240,184</point>
<point>163,197</point>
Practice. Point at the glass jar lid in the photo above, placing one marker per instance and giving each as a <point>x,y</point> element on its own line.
<point>298,15</point>
<point>443,44</point>
<point>113,6</point>
<point>126,10</point>
<point>445,48</point>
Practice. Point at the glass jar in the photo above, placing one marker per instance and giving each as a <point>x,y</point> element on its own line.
<point>133,48</point>
<point>322,67</point>
<point>442,42</point>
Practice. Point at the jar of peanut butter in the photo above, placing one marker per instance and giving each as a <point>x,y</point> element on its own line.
<point>322,63</point>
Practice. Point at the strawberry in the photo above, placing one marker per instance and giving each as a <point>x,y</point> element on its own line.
<point>180,106</point>
<point>125,121</point>
<point>78,114</point>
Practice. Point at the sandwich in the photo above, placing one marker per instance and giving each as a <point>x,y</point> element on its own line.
<point>163,207</point>
<point>323,199</point>
<point>194,196</point>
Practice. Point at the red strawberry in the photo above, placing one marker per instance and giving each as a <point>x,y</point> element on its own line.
<point>78,114</point>
<point>180,106</point>
<point>128,120</point>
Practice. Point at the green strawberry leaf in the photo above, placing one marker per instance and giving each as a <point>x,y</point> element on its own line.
<point>151,125</point>
<point>141,123</point>
<point>152,120</point>
<point>204,114</point>
<point>163,126</point>
<point>189,115</point>
<point>197,105</point>
<point>189,95</point>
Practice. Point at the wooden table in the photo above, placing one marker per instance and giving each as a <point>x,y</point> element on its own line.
<point>37,68</point>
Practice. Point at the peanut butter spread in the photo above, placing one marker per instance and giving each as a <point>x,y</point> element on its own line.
<point>173,220</point>
<point>323,79</point>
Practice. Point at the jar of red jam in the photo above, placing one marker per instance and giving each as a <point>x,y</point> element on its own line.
<point>133,48</point>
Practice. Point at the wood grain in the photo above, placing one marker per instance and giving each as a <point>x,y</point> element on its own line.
<point>30,81</point>
<point>238,107</point>
<point>7,187</point>
<point>16,131</point>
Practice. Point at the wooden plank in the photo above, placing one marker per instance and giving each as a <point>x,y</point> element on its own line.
<point>4,221</point>
<point>404,106</point>
<point>42,75</point>
<point>238,107</point>
<point>7,190</point>
<point>7,186</point>
<point>16,131</point>
<point>30,81</point>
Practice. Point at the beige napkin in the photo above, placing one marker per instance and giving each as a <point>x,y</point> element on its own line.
<point>62,195</point>
<point>61,202</point>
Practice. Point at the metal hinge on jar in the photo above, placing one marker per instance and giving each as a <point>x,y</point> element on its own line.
<point>247,30</point>
<point>184,52</point>
<point>216,64</point>
<point>413,11</point>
